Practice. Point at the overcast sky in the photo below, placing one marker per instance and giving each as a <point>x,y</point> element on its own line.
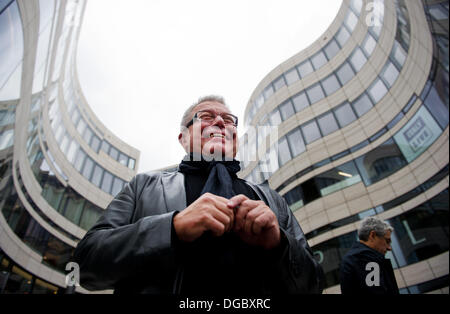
<point>141,63</point>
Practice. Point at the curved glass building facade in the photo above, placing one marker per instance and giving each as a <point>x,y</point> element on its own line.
<point>59,165</point>
<point>357,125</point>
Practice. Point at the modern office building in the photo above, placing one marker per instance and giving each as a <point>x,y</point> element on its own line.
<point>360,128</point>
<point>359,121</point>
<point>59,165</point>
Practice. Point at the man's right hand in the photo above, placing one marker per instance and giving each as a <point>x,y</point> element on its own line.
<point>208,212</point>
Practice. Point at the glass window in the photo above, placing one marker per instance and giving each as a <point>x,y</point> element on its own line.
<point>356,5</point>
<point>318,60</point>
<point>117,186</point>
<point>97,175</point>
<point>88,166</point>
<point>95,144</point>
<point>362,105</point>
<point>81,126</point>
<point>351,20</point>
<point>295,140</point>
<point>107,182</point>
<point>268,91</point>
<point>315,93</point>
<point>437,105</point>
<point>59,133</point>
<point>337,179</point>
<point>79,160</point>
<point>300,101</point>
<point>287,110</point>
<point>105,147</point>
<point>72,150</point>
<point>327,123</point>
<point>114,153</point>
<point>91,214</point>
<point>279,83</point>
<point>75,116</point>
<point>123,159</point>
<point>418,134</point>
<point>65,143</point>
<point>345,73</point>
<point>342,36</point>
<point>260,101</point>
<point>11,52</point>
<point>131,163</point>
<point>305,68</point>
<point>377,90</point>
<point>284,153</point>
<point>399,54</point>
<point>358,59</point>
<point>87,135</point>
<point>292,76</point>
<point>438,12</point>
<point>390,74</point>
<point>275,118</point>
<point>330,84</point>
<point>272,158</point>
<point>369,44</point>
<point>311,131</point>
<point>344,114</point>
<point>74,208</point>
<point>331,49</point>
<point>380,162</point>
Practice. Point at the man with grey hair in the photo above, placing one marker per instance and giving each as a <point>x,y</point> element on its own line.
<point>364,269</point>
<point>200,230</point>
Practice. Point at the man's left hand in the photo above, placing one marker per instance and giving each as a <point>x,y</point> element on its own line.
<point>255,223</point>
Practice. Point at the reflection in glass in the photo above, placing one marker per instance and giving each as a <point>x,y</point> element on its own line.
<point>345,73</point>
<point>305,68</point>
<point>337,179</point>
<point>330,84</point>
<point>358,59</point>
<point>295,140</point>
<point>284,154</point>
<point>344,114</point>
<point>380,162</point>
<point>390,73</point>
<point>11,52</point>
<point>377,90</point>
<point>318,60</point>
<point>331,49</point>
<point>327,123</point>
<point>107,182</point>
<point>279,83</point>
<point>311,131</point>
<point>315,93</point>
<point>292,76</point>
<point>300,101</point>
<point>287,110</point>
<point>342,36</point>
<point>362,105</point>
<point>275,118</point>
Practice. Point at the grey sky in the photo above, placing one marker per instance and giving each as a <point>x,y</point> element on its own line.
<point>141,63</point>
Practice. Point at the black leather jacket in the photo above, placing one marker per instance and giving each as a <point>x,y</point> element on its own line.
<point>131,247</point>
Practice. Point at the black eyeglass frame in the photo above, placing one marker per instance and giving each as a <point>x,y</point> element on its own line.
<point>195,117</point>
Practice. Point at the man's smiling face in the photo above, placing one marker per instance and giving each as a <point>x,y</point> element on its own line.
<point>212,138</point>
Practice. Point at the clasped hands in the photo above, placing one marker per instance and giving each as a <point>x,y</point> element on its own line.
<point>253,221</point>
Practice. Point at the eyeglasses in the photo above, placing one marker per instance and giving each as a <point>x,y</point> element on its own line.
<point>210,117</point>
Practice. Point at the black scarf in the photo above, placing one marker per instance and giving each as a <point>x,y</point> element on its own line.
<point>220,174</point>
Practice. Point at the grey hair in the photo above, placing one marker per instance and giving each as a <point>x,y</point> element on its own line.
<point>371,223</point>
<point>187,114</point>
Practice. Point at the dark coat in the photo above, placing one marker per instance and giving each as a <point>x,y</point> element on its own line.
<point>131,248</point>
<point>353,272</point>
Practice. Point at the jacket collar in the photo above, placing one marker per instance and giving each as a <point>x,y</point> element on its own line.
<point>174,191</point>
